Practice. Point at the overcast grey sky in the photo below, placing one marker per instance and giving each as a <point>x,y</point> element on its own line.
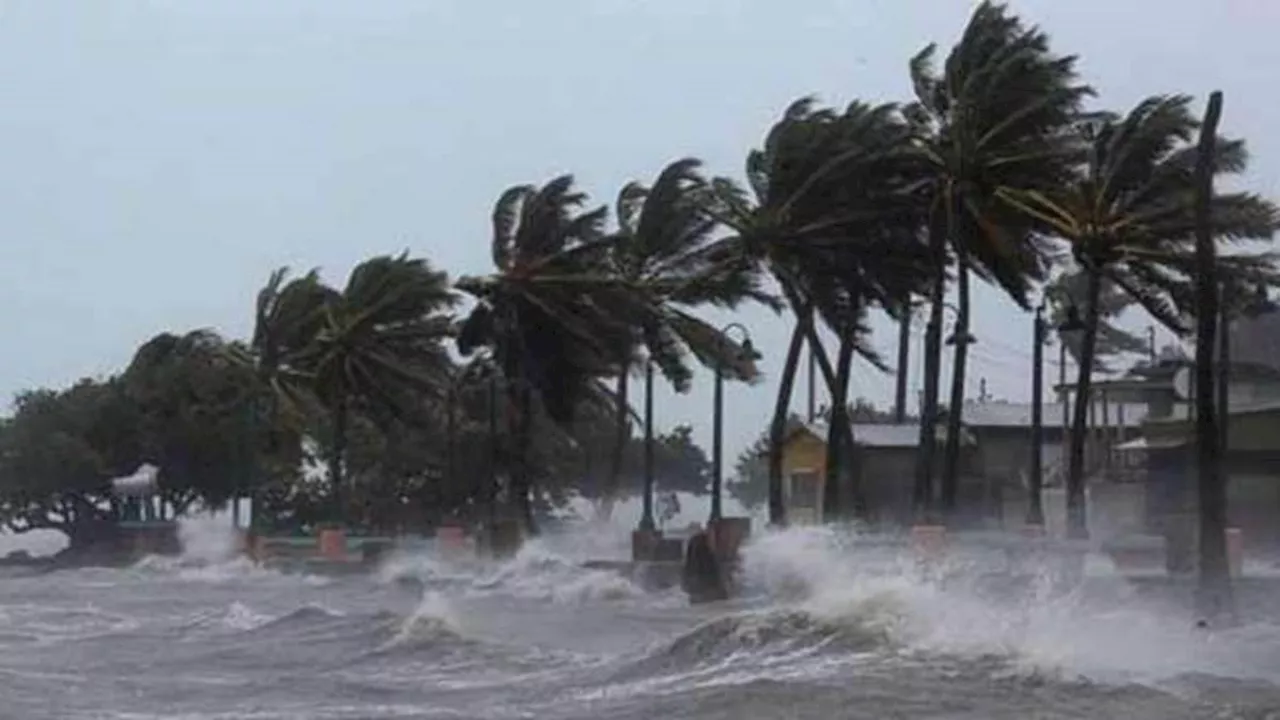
<point>159,157</point>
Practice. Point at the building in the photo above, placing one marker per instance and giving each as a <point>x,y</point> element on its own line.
<point>885,460</point>
<point>1252,454</point>
<point>1002,433</point>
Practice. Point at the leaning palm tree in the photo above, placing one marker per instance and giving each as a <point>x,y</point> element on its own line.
<point>993,118</point>
<point>827,202</point>
<point>1128,218</point>
<point>1066,293</point>
<point>553,319</point>
<point>377,347</point>
<point>660,249</point>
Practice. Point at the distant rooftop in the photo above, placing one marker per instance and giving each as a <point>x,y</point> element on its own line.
<point>883,435</point>
<point>1001,414</point>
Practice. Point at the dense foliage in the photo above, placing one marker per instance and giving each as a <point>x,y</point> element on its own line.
<point>351,404</point>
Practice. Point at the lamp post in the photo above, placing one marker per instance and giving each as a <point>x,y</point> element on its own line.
<point>717,422</point>
<point>1072,323</point>
<point>1035,509</point>
<point>961,339</point>
<point>647,523</point>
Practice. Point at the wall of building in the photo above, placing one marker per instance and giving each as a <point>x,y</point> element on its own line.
<point>804,453</point>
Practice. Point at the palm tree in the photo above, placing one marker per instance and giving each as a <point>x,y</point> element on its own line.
<point>1067,293</point>
<point>553,320</point>
<point>660,250</point>
<point>377,347</point>
<point>1128,217</point>
<point>992,119</point>
<point>829,220</point>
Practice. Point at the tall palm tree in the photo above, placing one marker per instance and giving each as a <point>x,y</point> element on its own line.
<point>1128,217</point>
<point>376,347</point>
<point>992,119</point>
<point>553,319</point>
<point>660,249</point>
<point>827,204</point>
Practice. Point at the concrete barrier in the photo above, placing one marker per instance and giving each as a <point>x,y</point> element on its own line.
<point>451,540</point>
<point>644,544</point>
<point>727,536</point>
<point>1235,551</point>
<point>333,544</point>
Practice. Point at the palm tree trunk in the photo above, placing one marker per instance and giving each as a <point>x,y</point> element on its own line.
<point>904,359</point>
<point>837,435</point>
<point>778,428</point>
<point>1214,597</point>
<point>337,456</point>
<point>622,428</point>
<point>1077,512</point>
<point>922,495</point>
<point>521,485</point>
<point>951,454</point>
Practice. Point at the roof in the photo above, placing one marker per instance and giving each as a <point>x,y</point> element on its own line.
<point>1256,340</point>
<point>880,435</point>
<point>1182,413</point>
<point>1001,414</point>
<point>1145,443</point>
<point>141,482</point>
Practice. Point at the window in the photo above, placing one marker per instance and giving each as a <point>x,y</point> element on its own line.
<point>804,489</point>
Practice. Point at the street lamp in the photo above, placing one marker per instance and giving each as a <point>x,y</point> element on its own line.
<point>717,419</point>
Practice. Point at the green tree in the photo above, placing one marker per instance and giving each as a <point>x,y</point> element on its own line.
<point>58,454</point>
<point>992,120</point>
<point>553,323</point>
<point>831,218</point>
<point>193,397</point>
<point>375,348</point>
<point>1128,216</point>
<point>661,250</point>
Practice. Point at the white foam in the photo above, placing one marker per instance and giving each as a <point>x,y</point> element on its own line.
<point>827,573</point>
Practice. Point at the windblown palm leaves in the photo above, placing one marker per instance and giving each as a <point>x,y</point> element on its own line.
<point>377,347</point>
<point>1128,216</point>
<point>660,251</point>
<point>832,218</point>
<point>1067,293</point>
<point>993,119</point>
<point>551,316</point>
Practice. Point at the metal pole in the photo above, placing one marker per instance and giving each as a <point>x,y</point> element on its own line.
<point>646,518</point>
<point>491,494</point>
<point>1065,394</point>
<point>1224,375</point>
<point>813,392</point>
<point>1035,511</point>
<point>717,444</point>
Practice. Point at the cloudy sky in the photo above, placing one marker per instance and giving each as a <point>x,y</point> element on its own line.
<point>159,157</point>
